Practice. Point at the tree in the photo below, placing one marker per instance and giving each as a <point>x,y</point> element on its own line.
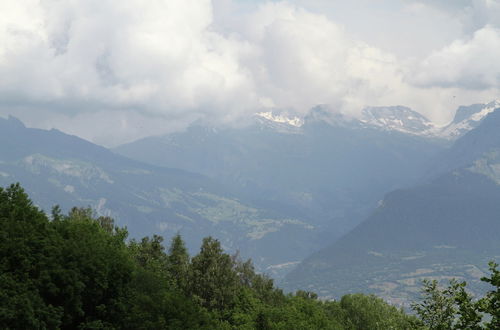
<point>150,254</point>
<point>371,313</point>
<point>468,315</point>
<point>67,273</point>
<point>97,272</point>
<point>178,263</point>
<point>437,309</point>
<point>491,303</point>
<point>454,308</point>
<point>26,264</point>
<point>156,299</point>
<point>213,280</point>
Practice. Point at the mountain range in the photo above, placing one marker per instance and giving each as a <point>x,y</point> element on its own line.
<point>326,169</point>
<point>277,189</point>
<point>395,118</point>
<point>444,227</point>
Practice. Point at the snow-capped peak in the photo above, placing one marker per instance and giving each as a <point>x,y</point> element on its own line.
<point>279,118</point>
<point>468,118</point>
<point>396,118</point>
<point>392,118</point>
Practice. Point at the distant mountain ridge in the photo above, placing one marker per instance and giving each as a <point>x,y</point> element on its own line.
<point>393,118</point>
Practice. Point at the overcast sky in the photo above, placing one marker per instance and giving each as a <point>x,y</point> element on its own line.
<point>112,71</point>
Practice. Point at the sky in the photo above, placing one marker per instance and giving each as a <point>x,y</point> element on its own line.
<point>112,71</point>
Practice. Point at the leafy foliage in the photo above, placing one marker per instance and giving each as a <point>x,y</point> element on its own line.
<point>491,303</point>
<point>77,271</point>
<point>372,313</point>
<point>453,307</point>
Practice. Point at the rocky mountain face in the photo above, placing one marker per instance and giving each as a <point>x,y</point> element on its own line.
<point>442,229</point>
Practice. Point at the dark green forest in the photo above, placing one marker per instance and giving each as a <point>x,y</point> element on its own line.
<point>80,271</point>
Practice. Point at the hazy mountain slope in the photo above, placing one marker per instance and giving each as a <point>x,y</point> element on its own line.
<point>331,169</point>
<point>448,227</point>
<point>57,168</point>
<point>473,145</point>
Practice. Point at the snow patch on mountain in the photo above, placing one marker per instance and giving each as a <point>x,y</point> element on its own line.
<point>397,118</point>
<point>467,118</point>
<point>405,120</point>
<point>279,118</point>
<point>391,118</point>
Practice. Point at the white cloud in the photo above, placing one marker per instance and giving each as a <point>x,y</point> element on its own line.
<point>112,71</point>
<point>156,56</point>
<point>469,64</point>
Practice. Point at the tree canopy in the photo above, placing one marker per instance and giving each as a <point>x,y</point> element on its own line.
<point>79,271</point>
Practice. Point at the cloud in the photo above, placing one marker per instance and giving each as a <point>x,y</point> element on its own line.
<point>479,14</point>
<point>123,54</point>
<point>468,63</point>
<point>112,71</point>
<point>302,59</point>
